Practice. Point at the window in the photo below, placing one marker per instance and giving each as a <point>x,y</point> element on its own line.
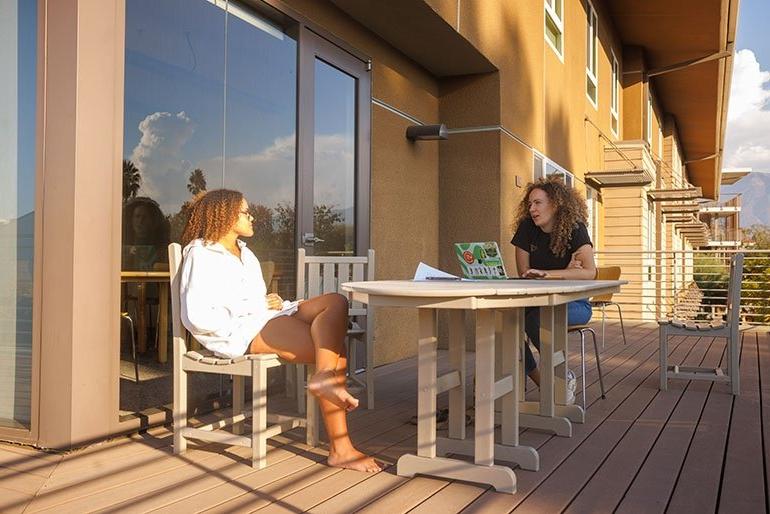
<point>592,55</point>
<point>544,167</point>
<point>615,86</point>
<point>18,24</point>
<point>554,25</point>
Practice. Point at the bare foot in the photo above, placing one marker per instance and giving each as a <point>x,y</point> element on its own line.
<point>353,459</point>
<point>325,384</point>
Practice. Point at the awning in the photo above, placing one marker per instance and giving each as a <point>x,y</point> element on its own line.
<point>676,33</point>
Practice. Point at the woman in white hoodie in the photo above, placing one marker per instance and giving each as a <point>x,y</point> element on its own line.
<point>226,307</point>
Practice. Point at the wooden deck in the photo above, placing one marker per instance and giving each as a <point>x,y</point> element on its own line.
<point>691,449</point>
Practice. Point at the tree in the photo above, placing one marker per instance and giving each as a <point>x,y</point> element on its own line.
<point>756,274</point>
<point>263,225</point>
<point>132,180</point>
<point>197,181</point>
<point>758,236</point>
<point>284,225</point>
<point>327,225</point>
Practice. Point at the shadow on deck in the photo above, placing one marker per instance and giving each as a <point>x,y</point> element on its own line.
<point>694,448</point>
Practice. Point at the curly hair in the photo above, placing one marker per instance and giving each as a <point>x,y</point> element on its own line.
<point>570,209</point>
<point>211,215</point>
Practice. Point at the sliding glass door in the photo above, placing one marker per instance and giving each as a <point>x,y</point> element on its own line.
<point>219,93</point>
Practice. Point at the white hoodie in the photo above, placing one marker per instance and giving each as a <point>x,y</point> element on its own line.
<point>223,298</point>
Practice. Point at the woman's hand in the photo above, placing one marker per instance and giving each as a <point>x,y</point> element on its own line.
<point>534,273</point>
<point>274,302</point>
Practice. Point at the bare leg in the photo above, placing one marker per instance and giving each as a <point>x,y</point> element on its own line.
<point>315,334</point>
<point>294,338</point>
<point>535,376</point>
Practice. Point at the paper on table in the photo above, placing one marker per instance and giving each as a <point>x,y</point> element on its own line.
<point>425,272</point>
<point>287,308</point>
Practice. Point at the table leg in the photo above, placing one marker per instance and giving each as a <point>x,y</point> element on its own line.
<point>426,384</point>
<point>425,462</point>
<point>546,415</point>
<point>560,346</point>
<point>457,362</point>
<point>512,328</point>
<point>546,361</point>
<point>141,320</point>
<point>163,322</point>
<point>485,388</point>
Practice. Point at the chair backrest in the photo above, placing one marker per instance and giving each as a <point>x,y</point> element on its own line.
<point>178,330</point>
<point>321,275</point>
<point>606,273</point>
<point>268,273</point>
<point>734,290</point>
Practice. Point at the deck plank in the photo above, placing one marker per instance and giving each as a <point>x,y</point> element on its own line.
<point>650,455</point>
<point>622,384</point>
<point>12,501</point>
<point>697,487</point>
<point>642,409</point>
<point>763,345</point>
<point>405,497</point>
<point>452,498</point>
<point>743,482</point>
<point>28,460</point>
<point>273,492</point>
<point>640,450</point>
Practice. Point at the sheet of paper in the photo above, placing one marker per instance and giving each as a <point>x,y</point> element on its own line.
<point>288,308</point>
<point>425,272</point>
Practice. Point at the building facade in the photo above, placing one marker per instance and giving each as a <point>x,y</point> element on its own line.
<point>121,110</point>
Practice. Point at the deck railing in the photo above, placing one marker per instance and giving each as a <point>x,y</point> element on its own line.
<point>689,284</point>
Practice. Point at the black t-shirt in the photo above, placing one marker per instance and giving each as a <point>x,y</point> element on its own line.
<point>530,238</point>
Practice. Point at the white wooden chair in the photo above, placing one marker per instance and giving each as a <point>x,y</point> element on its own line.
<point>728,329</point>
<point>321,275</point>
<point>254,366</point>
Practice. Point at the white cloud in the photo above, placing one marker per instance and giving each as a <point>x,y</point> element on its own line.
<point>267,177</point>
<point>159,153</point>
<point>748,127</point>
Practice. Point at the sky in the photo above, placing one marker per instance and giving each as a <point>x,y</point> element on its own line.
<point>747,138</point>
<point>215,93</point>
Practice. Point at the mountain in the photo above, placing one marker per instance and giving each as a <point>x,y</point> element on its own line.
<point>755,201</point>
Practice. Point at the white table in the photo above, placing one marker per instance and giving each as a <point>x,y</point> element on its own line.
<point>486,297</point>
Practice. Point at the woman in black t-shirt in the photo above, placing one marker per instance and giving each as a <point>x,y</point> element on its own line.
<point>551,240</point>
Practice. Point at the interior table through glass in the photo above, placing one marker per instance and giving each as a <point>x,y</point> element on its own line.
<point>486,297</point>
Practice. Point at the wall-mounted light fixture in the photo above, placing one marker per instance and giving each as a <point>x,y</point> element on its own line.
<point>425,132</point>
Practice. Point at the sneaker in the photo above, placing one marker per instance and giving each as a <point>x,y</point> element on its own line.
<point>571,387</point>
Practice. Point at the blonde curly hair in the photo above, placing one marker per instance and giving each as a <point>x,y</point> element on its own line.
<point>211,215</point>
<point>570,209</point>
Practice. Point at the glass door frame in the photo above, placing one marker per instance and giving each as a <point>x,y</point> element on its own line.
<point>311,47</point>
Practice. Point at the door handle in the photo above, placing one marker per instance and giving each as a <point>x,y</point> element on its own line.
<point>309,239</point>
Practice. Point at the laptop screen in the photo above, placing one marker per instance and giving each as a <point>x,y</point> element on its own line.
<point>481,261</point>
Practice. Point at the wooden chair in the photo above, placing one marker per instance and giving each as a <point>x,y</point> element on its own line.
<point>268,273</point>
<point>729,329</point>
<point>321,275</point>
<point>604,301</point>
<point>254,366</point>
<point>582,330</point>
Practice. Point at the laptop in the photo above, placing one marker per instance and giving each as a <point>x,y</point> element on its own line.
<point>481,260</point>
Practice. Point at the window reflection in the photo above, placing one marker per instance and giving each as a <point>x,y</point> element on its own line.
<point>145,236</point>
<point>334,161</point>
<point>210,95</point>
<point>18,55</point>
